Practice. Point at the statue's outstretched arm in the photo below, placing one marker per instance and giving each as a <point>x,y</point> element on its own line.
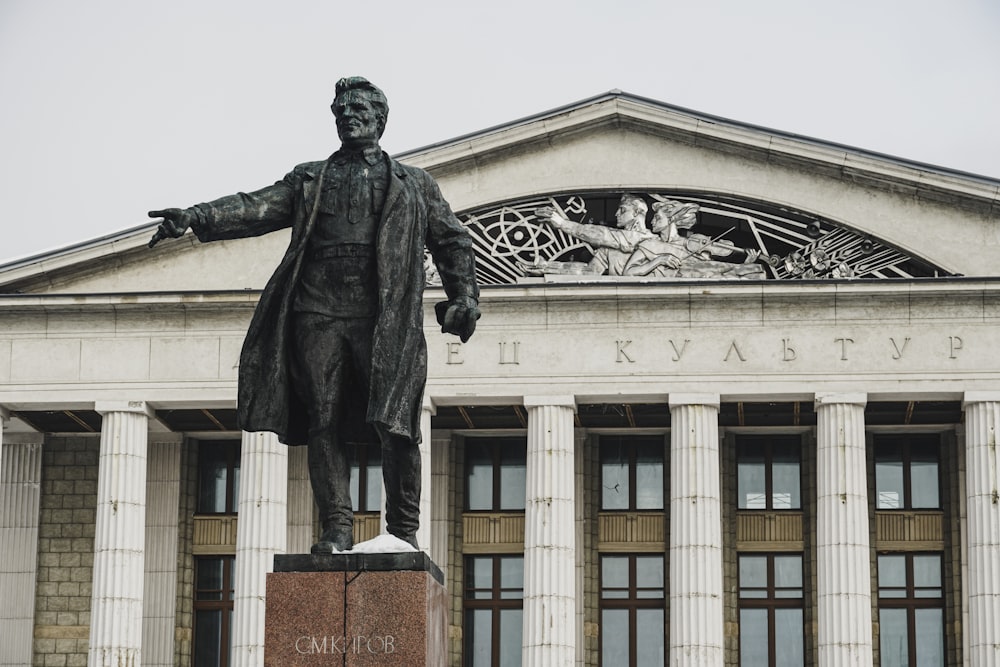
<point>596,235</point>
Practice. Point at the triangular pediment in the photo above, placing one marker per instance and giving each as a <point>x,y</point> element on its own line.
<point>597,149</point>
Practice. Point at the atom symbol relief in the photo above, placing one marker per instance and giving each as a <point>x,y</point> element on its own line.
<point>514,234</point>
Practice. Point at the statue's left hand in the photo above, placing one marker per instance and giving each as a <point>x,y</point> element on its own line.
<point>460,317</point>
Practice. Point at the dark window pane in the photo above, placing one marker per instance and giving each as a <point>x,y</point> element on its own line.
<point>788,571</point>
<point>614,476</point>
<point>785,478</point>
<point>236,484</point>
<point>649,476</point>
<point>889,484</point>
<point>927,571</point>
<point>510,637</point>
<point>479,467</point>
<point>930,636</point>
<point>354,486</point>
<point>478,638</point>
<point>207,637</point>
<point>893,642</point>
<point>753,638</point>
<point>753,572</point>
<point>512,477</point>
<point>891,572</point>
<point>649,638</point>
<point>614,637</point>
<point>209,574</point>
<point>750,477</point>
<point>614,572</point>
<point>512,572</point>
<point>373,491</point>
<point>213,473</point>
<point>924,484</point>
<point>649,572</point>
<point>788,642</point>
<point>479,573</point>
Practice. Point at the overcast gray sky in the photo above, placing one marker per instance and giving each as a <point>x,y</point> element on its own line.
<point>114,107</point>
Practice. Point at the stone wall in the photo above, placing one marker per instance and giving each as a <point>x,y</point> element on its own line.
<point>65,551</point>
<point>185,561</point>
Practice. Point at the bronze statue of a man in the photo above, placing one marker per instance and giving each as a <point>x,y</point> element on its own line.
<point>335,353</point>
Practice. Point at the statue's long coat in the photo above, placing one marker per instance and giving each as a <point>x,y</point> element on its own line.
<point>414,214</point>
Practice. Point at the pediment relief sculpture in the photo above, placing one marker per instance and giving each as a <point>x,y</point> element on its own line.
<point>673,236</point>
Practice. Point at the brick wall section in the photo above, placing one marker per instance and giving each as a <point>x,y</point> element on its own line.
<point>65,551</point>
<point>730,608</point>
<point>872,538</point>
<point>185,561</point>
<point>950,503</point>
<point>809,603</point>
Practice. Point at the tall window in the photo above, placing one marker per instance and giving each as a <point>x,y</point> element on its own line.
<point>632,473</point>
<point>213,609</point>
<point>218,477</point>
<point>768,473</point>
<point>771,607</point>
<point>910,610</point>
<point>366,478</point>
<point>632,611</point>
<point>494,589</point>
<point>906,472</point>
<point>495,474</point>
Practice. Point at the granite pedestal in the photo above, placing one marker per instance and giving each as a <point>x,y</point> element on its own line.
<point>356,610</point>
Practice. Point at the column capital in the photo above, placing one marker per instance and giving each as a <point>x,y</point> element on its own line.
<point>4,413</point>
<point>676,400</point>
<point>980,397</point>
<point>833,398</point>
<point>428,405</point>
<point>563,401</point>
<point>137,407</point>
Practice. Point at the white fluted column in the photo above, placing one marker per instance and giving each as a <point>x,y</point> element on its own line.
<point>120,536</point>
<point>163,485</point>
<point>982,489</point>
<point>300,502</point>
<point>549,621</point>
<point>441,495</point>
<point>20,485</point>
<point>426,478</point>
<point>696,619</point>
<point>262,532</point>
<point>843,565</point>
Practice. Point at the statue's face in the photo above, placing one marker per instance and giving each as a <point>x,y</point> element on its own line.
<point>358,121</point>
<point>626,214</point>
<point>661,220</point>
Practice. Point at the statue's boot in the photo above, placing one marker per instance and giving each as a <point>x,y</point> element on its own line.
<point>401,474</point>
<point>330,475</point>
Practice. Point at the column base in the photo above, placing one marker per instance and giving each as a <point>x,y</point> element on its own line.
<point>357,609</point>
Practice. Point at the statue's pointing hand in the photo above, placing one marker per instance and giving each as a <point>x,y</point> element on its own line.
<point>550,216</point>
<point>175,222</point>
<point>459,317</point>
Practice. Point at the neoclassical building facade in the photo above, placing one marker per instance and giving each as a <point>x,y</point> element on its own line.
<point>746,417</point>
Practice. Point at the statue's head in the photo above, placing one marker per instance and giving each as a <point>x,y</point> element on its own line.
<point>631,211</point>
<point>361,111</point>
<point>671,212</point>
